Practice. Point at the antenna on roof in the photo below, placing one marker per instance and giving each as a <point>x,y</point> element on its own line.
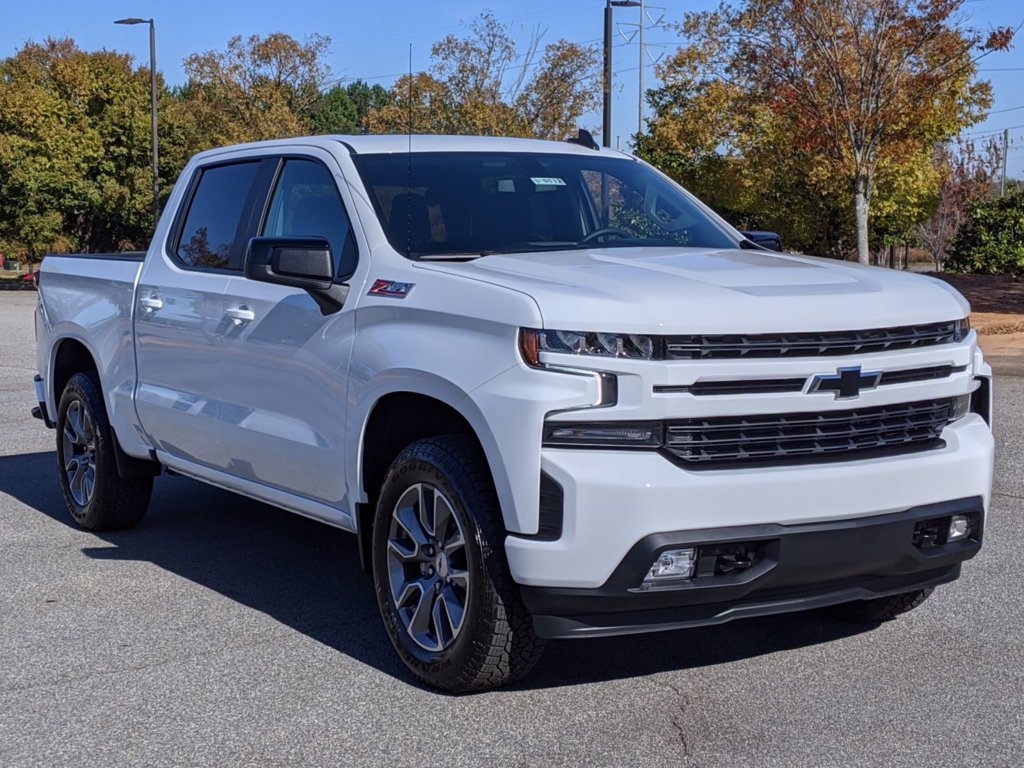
<point>408,183</point>
<point>584,139</point>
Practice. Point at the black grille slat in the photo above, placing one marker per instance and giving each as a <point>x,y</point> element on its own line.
<point>920,374</point>
<point>795,437</point>
<point>734,387</point>
<point>718,387</point>
<point>828,343</point>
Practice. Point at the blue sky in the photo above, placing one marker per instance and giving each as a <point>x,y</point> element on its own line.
<point>371,39</point>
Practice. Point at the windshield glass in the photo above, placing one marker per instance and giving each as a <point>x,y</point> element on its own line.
<point>477,203</point>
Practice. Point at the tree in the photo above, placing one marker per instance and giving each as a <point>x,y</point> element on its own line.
<point>968,175</point>
<point>482,84</point>
<point>842,88</point>
<point>991,240</point>
<point>259,88</point>
<point>346,108</point>
<point>74,150</point>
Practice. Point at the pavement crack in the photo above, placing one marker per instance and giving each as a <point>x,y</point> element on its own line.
<point>682,704</point>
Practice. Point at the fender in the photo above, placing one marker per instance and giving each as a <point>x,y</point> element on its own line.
<point>400,381</point>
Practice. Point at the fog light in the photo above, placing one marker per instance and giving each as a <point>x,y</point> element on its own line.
<point>959,528</point>
<point>672,564</point>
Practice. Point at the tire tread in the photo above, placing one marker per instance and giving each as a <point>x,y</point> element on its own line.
<point>508,649</point>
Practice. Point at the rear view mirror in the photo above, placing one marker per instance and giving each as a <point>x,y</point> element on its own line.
<point>297,262</point>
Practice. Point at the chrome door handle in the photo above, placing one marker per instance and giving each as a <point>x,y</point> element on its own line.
<point>151,303</point>
<point>239,315</point>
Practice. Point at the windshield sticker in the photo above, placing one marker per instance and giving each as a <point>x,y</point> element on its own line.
<point>547,181</point>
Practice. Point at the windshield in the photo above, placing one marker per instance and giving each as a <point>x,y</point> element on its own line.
<point>436,204</point>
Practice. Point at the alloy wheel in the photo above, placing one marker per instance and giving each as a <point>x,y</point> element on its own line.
<point>79,444</point>
<point>428,570</point>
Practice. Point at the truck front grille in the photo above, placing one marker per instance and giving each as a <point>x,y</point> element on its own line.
<point>794,438</point>
<point>828,343</point>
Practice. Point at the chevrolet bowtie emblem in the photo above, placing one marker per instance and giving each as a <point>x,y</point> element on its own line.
<point>846,383</point>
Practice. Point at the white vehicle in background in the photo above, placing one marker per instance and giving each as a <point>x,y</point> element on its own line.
<point>553,394</point>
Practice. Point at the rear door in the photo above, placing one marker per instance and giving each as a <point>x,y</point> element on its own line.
<point>284,420</point>
<point>180,314</point>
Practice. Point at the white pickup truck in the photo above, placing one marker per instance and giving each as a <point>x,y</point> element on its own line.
<point>553,394</point>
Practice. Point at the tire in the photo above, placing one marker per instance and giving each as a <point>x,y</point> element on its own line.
<point>450,563</point>
<point>97,497</point>
<point>879,609</point>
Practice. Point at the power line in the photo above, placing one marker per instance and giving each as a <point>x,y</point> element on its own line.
<point>991,131</point>
<point>1008,109</point>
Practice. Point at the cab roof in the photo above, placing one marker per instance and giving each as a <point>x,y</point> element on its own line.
<point>400,143</point>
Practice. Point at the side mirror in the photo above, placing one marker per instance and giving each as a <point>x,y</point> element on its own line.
<point>297,262</point>
<point>767,240</point>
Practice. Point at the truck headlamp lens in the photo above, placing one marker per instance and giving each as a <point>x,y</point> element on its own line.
<point>961,328</point>
<point>961,407</point>
<point>603,435</point>
<point>628,345</point>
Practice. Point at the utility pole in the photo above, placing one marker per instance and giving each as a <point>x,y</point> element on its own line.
<point>606,124</point>
<point>1006,151</point>
<point>643,54</point>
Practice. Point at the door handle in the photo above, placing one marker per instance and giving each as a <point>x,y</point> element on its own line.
<point>239,315</point>
<point>151,303</point>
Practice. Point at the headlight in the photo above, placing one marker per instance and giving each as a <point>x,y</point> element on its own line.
<point>629,345</point>
<point>961,328</point>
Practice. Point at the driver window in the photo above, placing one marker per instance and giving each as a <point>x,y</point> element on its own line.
<point>306,203</point>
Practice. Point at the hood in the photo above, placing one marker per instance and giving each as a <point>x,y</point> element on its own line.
<point>702,291</point>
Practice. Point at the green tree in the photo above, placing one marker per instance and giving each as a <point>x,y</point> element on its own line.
<point>845,93</point>
<point>991,240</point>
<point>346,108</point>
<point>74,150</point>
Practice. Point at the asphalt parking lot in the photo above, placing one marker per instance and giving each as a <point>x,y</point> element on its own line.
<point>224,632</point>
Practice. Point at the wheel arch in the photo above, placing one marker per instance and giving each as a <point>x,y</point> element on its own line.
<point>69,356</point>
<point>401,416</point>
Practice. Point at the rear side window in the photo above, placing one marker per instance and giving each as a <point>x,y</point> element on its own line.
<point>306,203</point>
<point>209,234</point>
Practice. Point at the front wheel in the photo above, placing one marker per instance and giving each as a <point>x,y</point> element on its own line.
<point>878,609</point>
<point>97,497</point>
<point>443,585</point>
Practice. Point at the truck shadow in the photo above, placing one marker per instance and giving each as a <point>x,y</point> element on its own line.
<point>307,576</point>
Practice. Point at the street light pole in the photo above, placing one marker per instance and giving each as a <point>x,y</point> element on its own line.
<point>606,125</point>
<point>152,112</point>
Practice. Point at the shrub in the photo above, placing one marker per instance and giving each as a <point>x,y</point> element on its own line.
<point>991,240</point>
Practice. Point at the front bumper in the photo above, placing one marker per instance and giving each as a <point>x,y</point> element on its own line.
<point>796,567</point>
<point>614,499</point>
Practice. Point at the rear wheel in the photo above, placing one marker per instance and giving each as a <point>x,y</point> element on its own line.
<point>97,497</point>
<point>443,585</point>
<point>879,609</point>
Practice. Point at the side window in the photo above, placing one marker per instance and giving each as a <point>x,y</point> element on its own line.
<point>306,203</point>
<point>208,235</point>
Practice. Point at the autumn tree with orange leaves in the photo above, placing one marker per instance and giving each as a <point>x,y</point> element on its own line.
<point>839,91</point>
<point>484,84</point>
